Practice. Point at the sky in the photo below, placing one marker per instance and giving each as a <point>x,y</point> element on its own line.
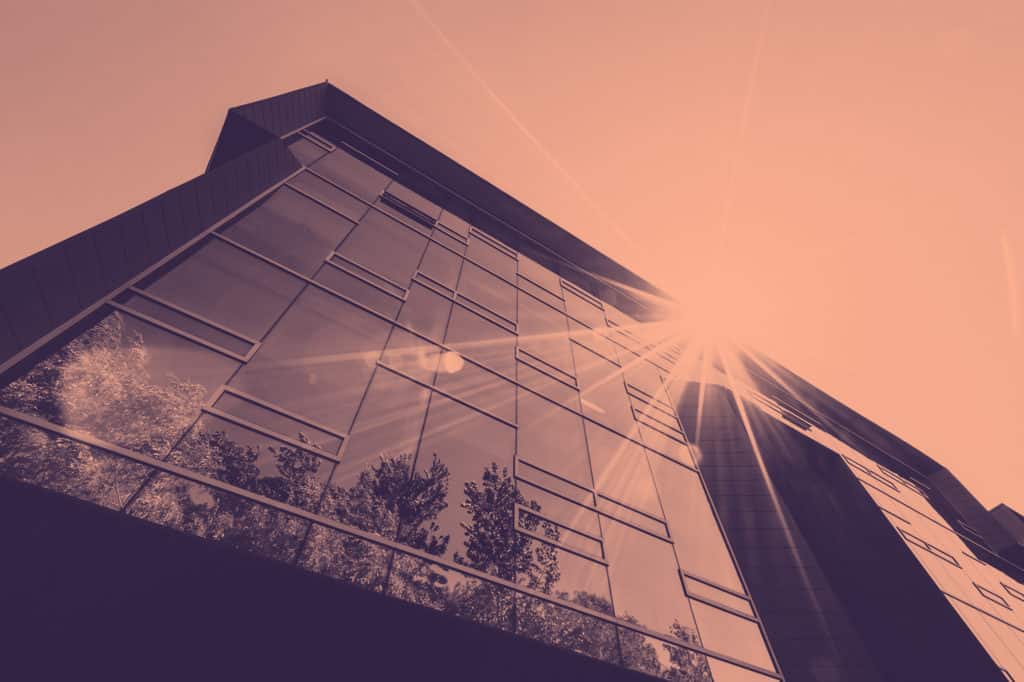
<point>836,184</point>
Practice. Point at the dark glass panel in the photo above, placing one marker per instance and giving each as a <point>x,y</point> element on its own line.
<point>621,471</point>
<point>527,471</point>
<point>43,459</point>
<point>220,516</point>
<point>482,340</point>
<point>566,629</point>
<point>561,535</point>
<point>543,333</point>
<point>229,286</point>
<point>469,455</point>
<point>186,323</point>
<point>385,246</point>
<point>593,340</point>
<point>495,260</point>
<point>357,289</point>
<point>565,575</point>
<point>415,200</point>
<point>124,381</point>
<point>448,240</point>
<point>552,438</point>
<point>304,150</point>
<point>540,293</point>
<point>455,223</point>
<point>451,591</point>
<point>345,557</point>
<point>318,359</point>
<point>477,386</point>
<point>412,355</point>
<point>338,199</point>
<point>352,174</point>
<point>698,541</point>
<point>250,460</point>
<point>441,265</point>
<point>731,635</point>
<point>279,423</point>
<point>645,581</point>
<point>583,310</point>
<point>547,386</point>
<point>602,391</point>
<point>488,290</point>
<point>560,509</point>
<point>425,311</point>
<point>292,230</point>
<point>630,516</point>
<point>663,660</point>
<point>374,487</point>
<point>540,275</point>
<point>700,590</point>
<point>727,672</point>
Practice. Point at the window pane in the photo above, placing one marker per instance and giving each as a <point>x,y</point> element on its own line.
<point>412,355</point>
<point>482,340</point>
<point>528,472</point>
<point>696,588</point>
<point>592,340</point>
<point>426,312</point>
<point>455,223</point>
<point>661,659</point>
<point>727,672</point>
<point>124,381</point>
<point>448,240</point>
<point>737,637</point>
<point>602,391</point>
<point>566,575</point>
<point>540,293</point>
<point>632,517</point>
<point>385,246</point>
<point>217,515</point>
<point>441,265</point>
<point>646,377</point>
<point>292,230</point>
<point>415,200</point>
<point>352,174</point>
<point>543,332</point>
<point>493,259</point>
<point>277,422</point>
<point>247,459</point>
<point>373,487</point>
<point>488,290</point>
<point>338,199</point>
<point>472,453</point>
<point>478,387</point>
<point>552,438</point>
<point>227,285</point>
<point>660,442</point>
<point>304,150</point>
<point>621,471</point>
<point>539,275</point>
<point>548,387</point>
<point>43,459</point>
<point>558,534</point>
<point>698,541</point>
<point>345,557</point>
<point>559,509</point>
<point>645,581</point>
<point>318,359</point>
<point>185,323</point>
<point>566,629</point>
<point>583,310</point>
<point>353,287</point>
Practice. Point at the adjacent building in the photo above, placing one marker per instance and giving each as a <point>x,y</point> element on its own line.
<point>340,406</point>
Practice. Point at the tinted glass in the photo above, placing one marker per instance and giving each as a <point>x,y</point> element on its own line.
<point>559,534</point>
<point>552,438</point>
<point>304,150</point>
<point>539,275</point>
<point>124,381</point>
<point>646,377</point>
<point>528,472</point>
<point>495,260</point>
<point>292,230</point>
<point>543,333</point>
<point>488,290</point>
<point>415,200</point>
<point>547,386</point>
<point>566,629</point>
<point>352,174</point>
<point>385,246</point>
<point>455,223</point>
<point>621,471</point>
<point>567,576</point>
<point>696,588</point>
<point>732,635</point>
<point>318,359</point>
<point>338,199</point>
<point>602,391</point>
<point>631,516</point>
<point>230,287</point>
<point>583,310</point>
<point>411,355</point>
<point>426,312</point>
<point>593,341</point>
<point>727,672</point>
<point>356,288</point>
<point>345,557</point>
<point>448,239</point>
<point>661,659</point>
<point>482,340</point>
<point>279,423</point>
<point>478,387</point>
<point>186,323</point>
<point>660,442</point>
<point>441,265</point>
<point>559,509</point>
<point>698,541</point>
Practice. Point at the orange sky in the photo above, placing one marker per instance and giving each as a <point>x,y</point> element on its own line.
<point>843,178</point>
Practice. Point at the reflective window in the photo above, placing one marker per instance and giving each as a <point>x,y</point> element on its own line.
<point>583,310</point>
<point>492,258</point>
<point>455,223</point>
<point>258,463</point>
<point>466,457</point>
<point>482,340</point>
<point>565,628</point>
<point>700,590</point>
<point>224,284</point>
<point>698,541</point>
<point>631,516</point>
<point>317,360</point>
<point>124,381</point>
<point>592,340</point>
<point>732,635</point>
<point>345,557</point>
<point>659,442</point>
<point>727,672</point>
<point>217,515</point>
<point>528,472</point>
<point>560,509</point>
<point>544,334</point>
<point>185,323</point>
<point>338,199</point>
<point>547,386</point>
<point>351,285</point>
<point>567,576</point>
<point>446,238</point>
<point>645,581</point>
<point>441,265</point>
<point>487,290</point>
<point>646,377</point>
<point>352,174</point>
<point>411,355</point>
<point>292,230</point>
<point>385,246</point>
<point>559,534</point>
<point>602,391</point>
<point>426,312</point>
<point>661,659</point>
<point>277,422</point>
<point>477,386</point>
<point>540,275</point>
<point>540,293</point>
<point>621,471</point>
<point>39,458</point>
<point>552,438</point>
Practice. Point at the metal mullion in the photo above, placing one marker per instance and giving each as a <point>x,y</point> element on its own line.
<point>317,140</point>
<point>712,583</point>
<point>335,185</point>
<point>596,352</point>
<point>541,486</point>
<point>280,410</point>
<point>252,426</point>
<point>177,332</point>
<point>494,242</point>
<point>349,261</point>
<point>586,295</point>
<point>560,524</point>
<point>631,507</point>
<point>324,204</point>
<point>364,280</point>
<point>548,541</point>
<point>188,313</point>
<point>635,527</point>
<point>451,233</point>
<point>649,421</point>
<point>302,127</point>
<point>430,283</point>
<point>994,616</point>
<point>489,271</point>
<point>501,320</point>
<point>531,356</point>
<point>722,607</point>
<point>418,229</point>
<point>563,479</point>
<point>557,295</point>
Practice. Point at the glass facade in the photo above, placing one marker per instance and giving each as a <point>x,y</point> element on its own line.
<point>349,378</point>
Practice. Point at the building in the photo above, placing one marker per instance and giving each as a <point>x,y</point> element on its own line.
<point>339,405</point>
